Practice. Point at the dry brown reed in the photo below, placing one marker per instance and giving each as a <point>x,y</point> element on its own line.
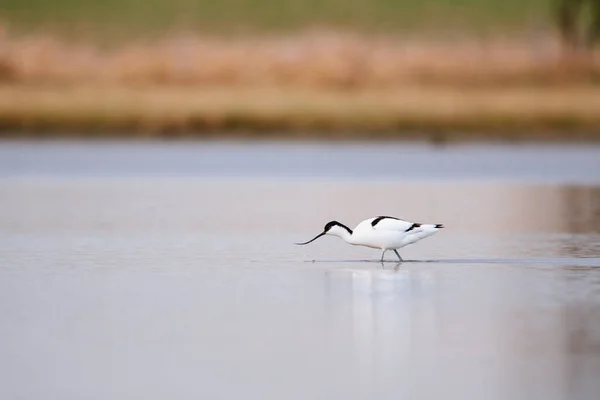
<point>301,85</point>
<point>311,59</point>
<point>149,110</point>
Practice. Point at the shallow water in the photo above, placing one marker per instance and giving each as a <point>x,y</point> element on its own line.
<point>156,270</point>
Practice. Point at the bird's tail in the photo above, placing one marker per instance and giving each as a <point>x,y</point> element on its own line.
<point>424,230</point>
<point>430,227</point>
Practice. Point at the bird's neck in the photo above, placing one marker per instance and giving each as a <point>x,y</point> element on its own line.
<point>345,234</point>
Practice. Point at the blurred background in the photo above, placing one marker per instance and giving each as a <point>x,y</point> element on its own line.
<point>301,68</point>
<point>133,267</point>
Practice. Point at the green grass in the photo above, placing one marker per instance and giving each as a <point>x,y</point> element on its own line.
<point>108,17</point>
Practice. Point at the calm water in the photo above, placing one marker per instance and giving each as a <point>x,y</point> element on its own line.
<point>167,270</point>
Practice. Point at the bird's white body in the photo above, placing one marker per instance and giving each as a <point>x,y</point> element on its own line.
<point>385,233</point>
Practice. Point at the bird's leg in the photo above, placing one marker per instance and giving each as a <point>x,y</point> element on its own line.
<point>382,254</point>
<point>400,258</point>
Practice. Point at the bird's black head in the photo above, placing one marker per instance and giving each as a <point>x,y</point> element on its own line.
<point>332,224</point>
<point>328,227</point>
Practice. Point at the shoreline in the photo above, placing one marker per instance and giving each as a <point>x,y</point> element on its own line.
<point>404,112</point>
<point>318,86</point>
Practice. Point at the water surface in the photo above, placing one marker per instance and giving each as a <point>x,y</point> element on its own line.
<point>167,270</point>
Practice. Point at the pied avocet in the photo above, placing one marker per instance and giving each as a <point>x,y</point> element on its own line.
<point>385,233</point>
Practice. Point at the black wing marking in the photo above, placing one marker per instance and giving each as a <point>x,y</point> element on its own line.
<point>376,220</point>
<point>413,226</point>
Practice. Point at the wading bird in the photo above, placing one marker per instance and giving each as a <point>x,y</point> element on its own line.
<point>385,233</point>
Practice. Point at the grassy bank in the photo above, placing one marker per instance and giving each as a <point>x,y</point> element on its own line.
<point>439,113</point>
